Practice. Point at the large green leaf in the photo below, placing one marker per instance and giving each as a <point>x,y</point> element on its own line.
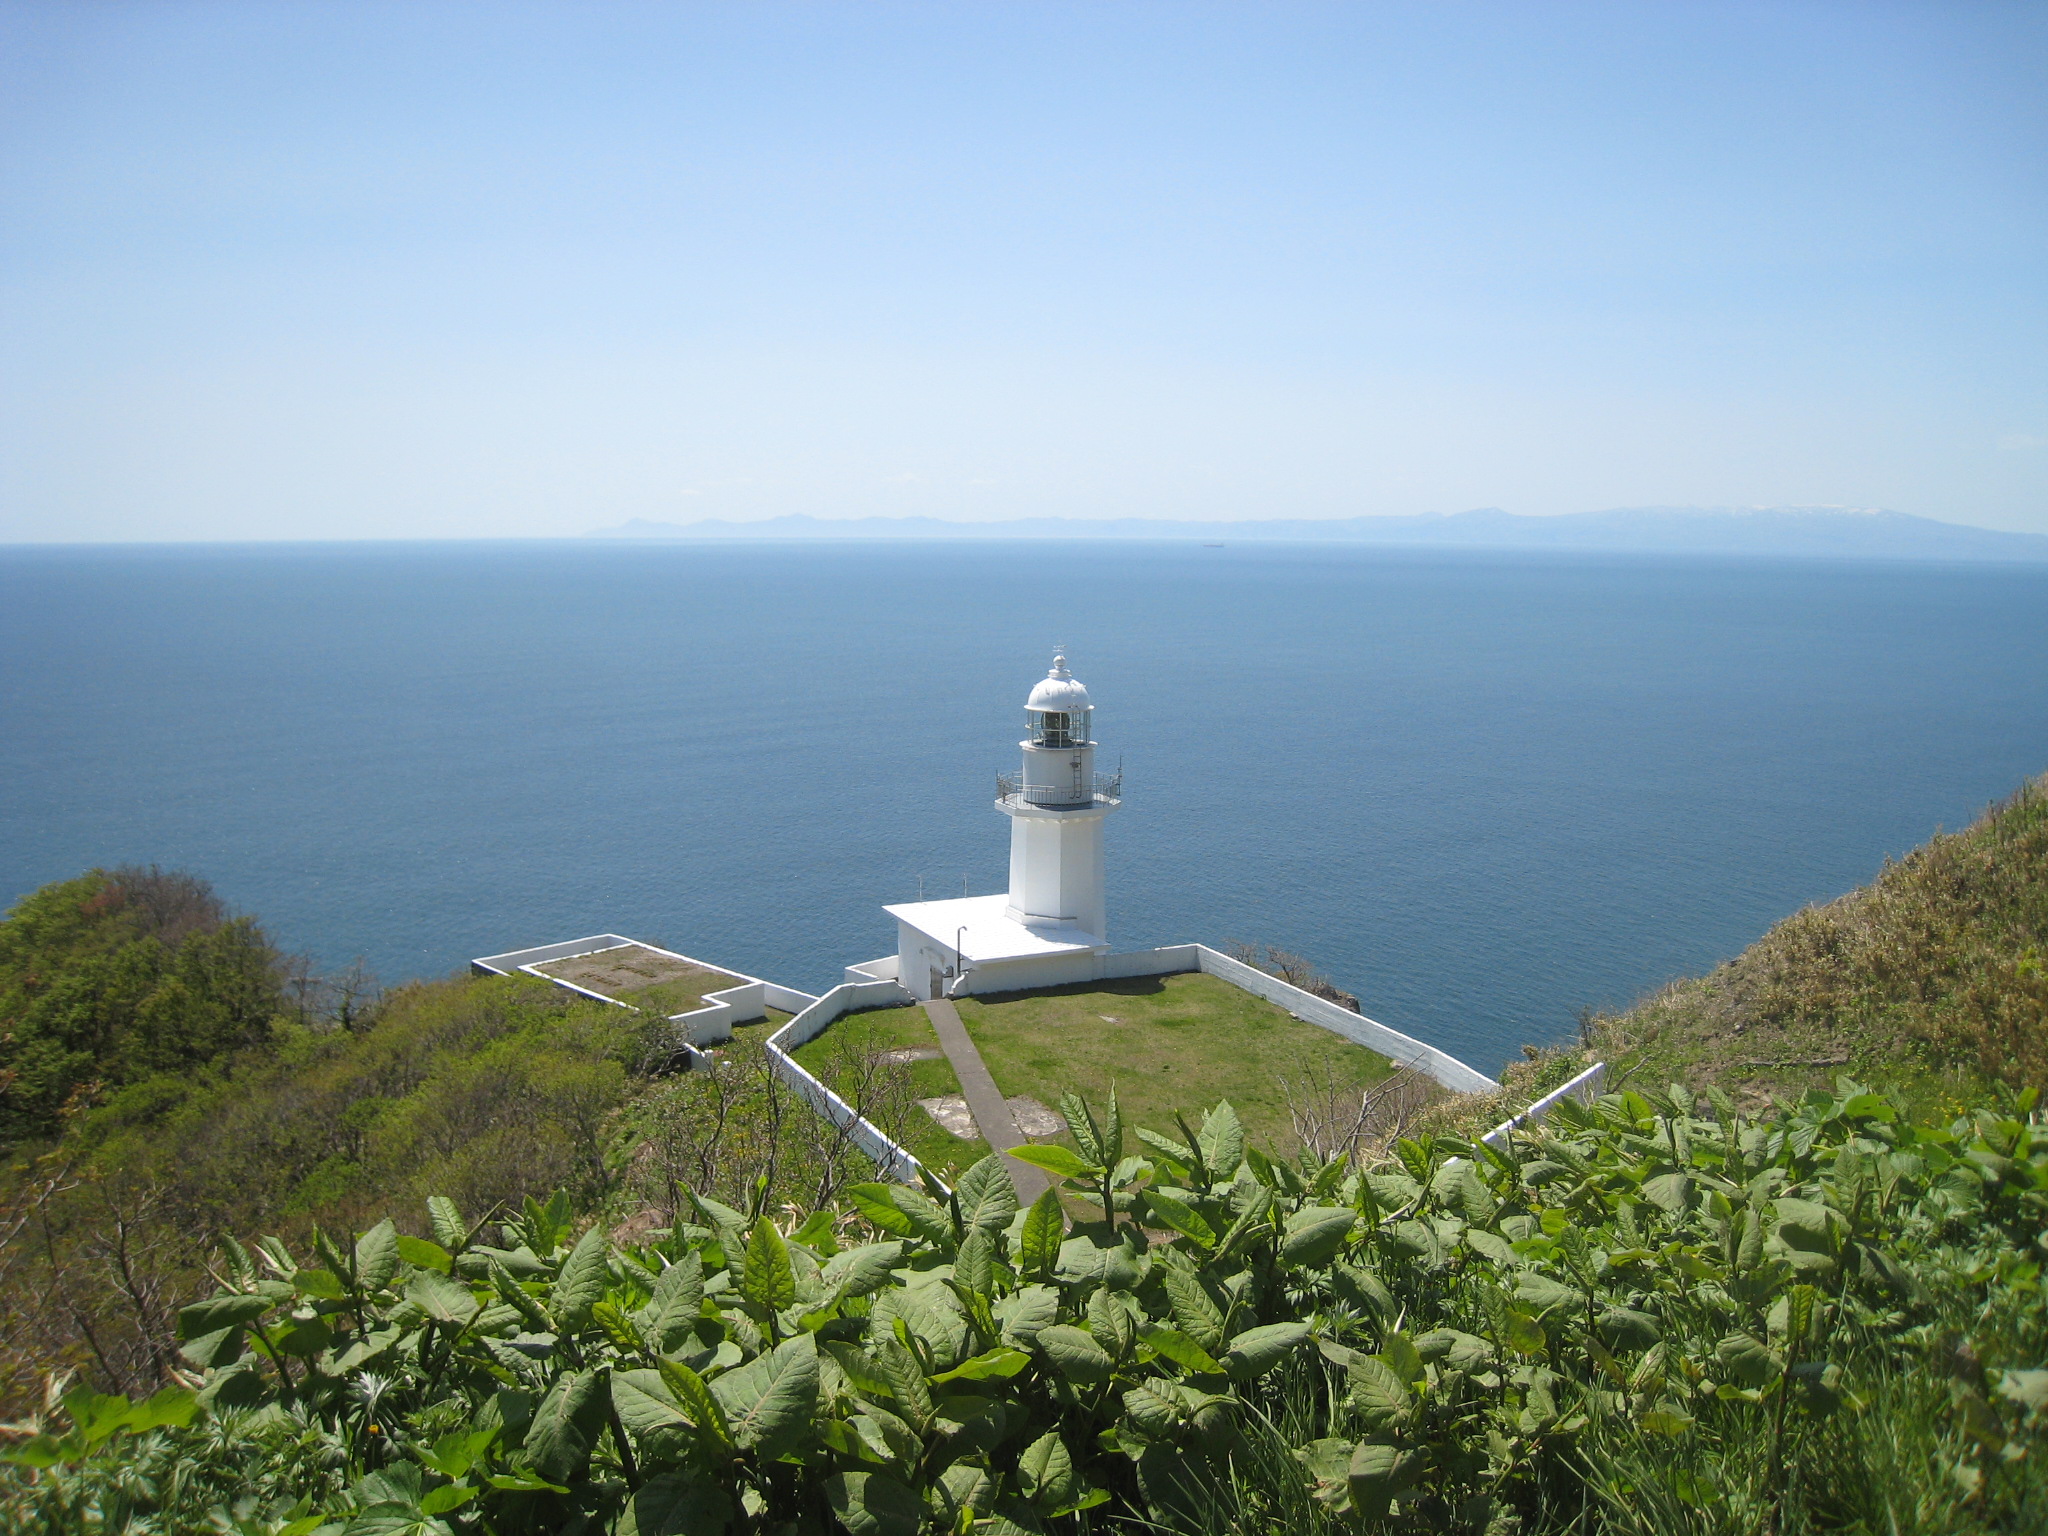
<point>643,1401</point>
<point>1670,1192</point>
<point>974,1264</point>
<point>172,1407</point>
<point>768,1402</point>
<point>565,1426</point>
<point>1806,1225</point>
<point>1152,1412</point>
<point>1055,1159</point>
<point>1459,1187</point>
<point>874,1504</point>
<point>688,1391</point>
<point>904,1211</point>
<point>1081,1126</point>
<point>517,1298</point>
<point>584,1278</point>
<point>440,1298</point>
<point>672,1310</point>
<point>1183,1351</point>
<point>1111,1325</point>
<point>1182,1218</point>
<point>1381,1398</point>
<point>857,1271</point>
<point>421,1254</point>
<point>1257,1350</point>
<point>449,1229</point>
<point>1045,1473</point>
<point>1625,1328</point>
<point>993,1364</point>
<point>766,1278</point>
<point>1314,1234</point>
<point>211,1316</point>
<point>1749,1359</point>
<point>1024,1313</point>
<point>1222,1142</point>
<point>1075,1354</point>
<point>1198,1316</point>
<point>1038,1245</point>
<point>1377,1473</point>
<point>675,1505</point>
<point>1542,1293</point>
<point>377,1256</point>
<point>900,1369</point>
<point>986,1194</point>
<point>393,1520</point>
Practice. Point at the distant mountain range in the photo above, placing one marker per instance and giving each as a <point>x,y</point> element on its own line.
<point>1842,532</point>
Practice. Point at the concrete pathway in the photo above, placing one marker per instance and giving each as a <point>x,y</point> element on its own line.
<point>984,1099</point>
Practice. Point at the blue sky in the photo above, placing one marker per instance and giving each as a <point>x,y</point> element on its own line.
<point>351,270</point>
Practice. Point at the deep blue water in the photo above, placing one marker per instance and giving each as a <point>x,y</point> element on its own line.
<point>1481,790</point>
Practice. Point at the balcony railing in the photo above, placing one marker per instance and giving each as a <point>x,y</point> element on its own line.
<point>1107,789</point>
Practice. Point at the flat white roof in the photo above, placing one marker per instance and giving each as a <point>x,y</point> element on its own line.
<point>981,931</point>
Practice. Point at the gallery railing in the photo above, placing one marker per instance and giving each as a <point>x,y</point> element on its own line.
<point>1107,789</point>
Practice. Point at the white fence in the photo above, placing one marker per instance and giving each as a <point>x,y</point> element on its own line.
<point>891,1160</point>
<point>1585,1088</point>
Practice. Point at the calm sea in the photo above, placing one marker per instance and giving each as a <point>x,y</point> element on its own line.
<point>1481,791</point>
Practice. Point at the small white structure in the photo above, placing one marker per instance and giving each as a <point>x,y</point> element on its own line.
<point>747,999</point>
<point>1051,926</point>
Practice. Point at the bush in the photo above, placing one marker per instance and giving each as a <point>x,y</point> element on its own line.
<point>1644,1318</point>
<point>120,975</point>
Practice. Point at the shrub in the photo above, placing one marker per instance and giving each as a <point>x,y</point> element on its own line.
<point>1645,1318</point>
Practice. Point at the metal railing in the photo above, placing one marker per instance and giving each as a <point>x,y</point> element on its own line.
<point>1107,789</point>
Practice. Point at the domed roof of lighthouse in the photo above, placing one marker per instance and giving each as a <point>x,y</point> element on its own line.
<point>1059,689</point>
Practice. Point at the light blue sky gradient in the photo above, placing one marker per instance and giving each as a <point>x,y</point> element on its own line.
<point>351,270</point>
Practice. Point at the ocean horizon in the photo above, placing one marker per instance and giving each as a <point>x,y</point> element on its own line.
<point>1481,789</point>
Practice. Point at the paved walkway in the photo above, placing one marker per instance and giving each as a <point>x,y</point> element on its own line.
<point>984,1099</point>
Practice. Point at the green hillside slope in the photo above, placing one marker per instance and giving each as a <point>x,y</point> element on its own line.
<point>1930,979</point>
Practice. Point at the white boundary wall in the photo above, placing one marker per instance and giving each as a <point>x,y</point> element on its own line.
<point>891,1160</point>
<point>1585,1088</point>
<point>749,999</point>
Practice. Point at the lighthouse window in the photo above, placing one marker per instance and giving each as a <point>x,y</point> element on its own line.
<point>1055,729</point>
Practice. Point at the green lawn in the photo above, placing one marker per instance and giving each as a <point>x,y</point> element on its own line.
<point>888,1029</point>
<point>1168,1043</point>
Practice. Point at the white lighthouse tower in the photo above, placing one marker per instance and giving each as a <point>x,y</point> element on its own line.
<point>1056,808</point>
<point>1051,927</point>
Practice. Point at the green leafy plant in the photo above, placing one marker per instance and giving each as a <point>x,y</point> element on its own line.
<point>1642,1317</point>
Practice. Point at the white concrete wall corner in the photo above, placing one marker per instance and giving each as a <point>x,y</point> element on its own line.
<point>517,959</point>
<point>893,1161</point>
<point>788,999</point>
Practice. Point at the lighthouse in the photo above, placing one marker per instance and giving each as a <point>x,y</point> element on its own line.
<point>1056,806</point>
<point>1051,927</point>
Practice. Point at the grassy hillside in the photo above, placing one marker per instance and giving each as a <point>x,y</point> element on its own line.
<point>167,1077</point>
<point>1931,979</point>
